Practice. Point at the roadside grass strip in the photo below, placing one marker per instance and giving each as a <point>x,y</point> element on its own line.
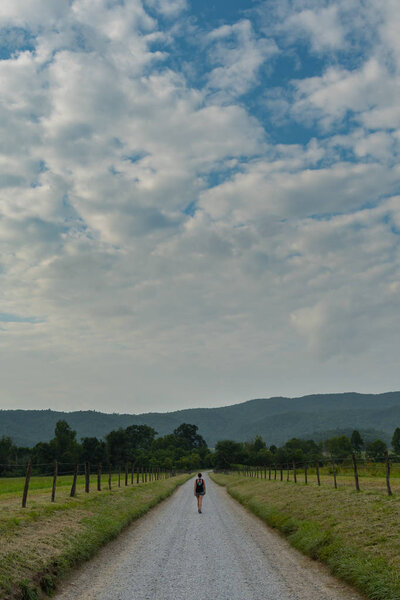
<point>42,543</point>
<point>356,534</point>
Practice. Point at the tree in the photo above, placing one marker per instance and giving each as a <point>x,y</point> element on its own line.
<point>227,452</point>
<point>308,449</point>
<point>6,449</point>
<point>396,440</point>
<point>357,443</point>
<point>138,438</point>
<point>63,446</point>
<point>258,444</point>
<point>376,450</point>
<point>117,446</point>
<point>43,453</point>
<point>94,450</point>
<point>64,438</point>
<point>188,434</point>
<point>338,447</point>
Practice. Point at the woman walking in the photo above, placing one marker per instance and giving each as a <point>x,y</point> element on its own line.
<point>199,490</point>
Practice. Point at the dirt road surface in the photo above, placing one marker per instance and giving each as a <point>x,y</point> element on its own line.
<point>225,553</point>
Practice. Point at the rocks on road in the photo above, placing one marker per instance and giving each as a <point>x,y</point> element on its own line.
<point>225,553</point>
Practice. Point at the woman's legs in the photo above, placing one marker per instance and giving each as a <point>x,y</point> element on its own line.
<point>200,501</point>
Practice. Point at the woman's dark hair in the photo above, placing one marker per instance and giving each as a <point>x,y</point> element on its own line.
<point>198,474</point>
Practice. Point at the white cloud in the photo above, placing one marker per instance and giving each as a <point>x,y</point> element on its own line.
<point>239,55</point>
<point>166,245</point>
<point>169,8</point>
<point>321,27</point>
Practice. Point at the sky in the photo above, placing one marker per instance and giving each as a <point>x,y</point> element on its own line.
<point>199,201</point>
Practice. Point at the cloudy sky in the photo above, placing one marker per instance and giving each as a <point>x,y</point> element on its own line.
<point>198,201</point>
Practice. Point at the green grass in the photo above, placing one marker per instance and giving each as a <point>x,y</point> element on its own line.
<point>355,534</point>
<point>42,543</point>
<point>15,485</point>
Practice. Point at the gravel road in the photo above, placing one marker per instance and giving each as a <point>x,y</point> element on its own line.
<point>225,553</point>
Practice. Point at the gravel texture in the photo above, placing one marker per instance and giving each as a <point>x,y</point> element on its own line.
<point>225,553</point>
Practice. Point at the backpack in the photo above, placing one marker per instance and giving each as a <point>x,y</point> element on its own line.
<point>199,486</point>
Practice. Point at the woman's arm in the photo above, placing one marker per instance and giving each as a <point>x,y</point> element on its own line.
<point>194,487</point>
<point>204,484</point>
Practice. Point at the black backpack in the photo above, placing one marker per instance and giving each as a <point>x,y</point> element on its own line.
<point>199,486</point>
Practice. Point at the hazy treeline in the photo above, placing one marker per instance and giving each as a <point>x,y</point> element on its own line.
<point>337,448</point>
<point>184,449</point>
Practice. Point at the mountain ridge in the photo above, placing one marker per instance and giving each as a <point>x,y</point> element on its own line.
<point>277,418</point>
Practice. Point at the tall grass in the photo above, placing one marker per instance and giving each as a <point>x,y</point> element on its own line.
<point>42,543</point>
<point>355,534</point>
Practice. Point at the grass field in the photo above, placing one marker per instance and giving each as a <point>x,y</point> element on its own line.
<point>371,476</point>
<point>42,485</point>
<point>355,534</point>
<point>43,542</point>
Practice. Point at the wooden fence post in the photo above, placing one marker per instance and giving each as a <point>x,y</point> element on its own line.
<point>133,473</point>
<point>281,470</point>
<point>53,491</point>
<point>119,475</point>
<point>294,472</point>
<point>269,472</point>
<point>305,473</point>
<point>389,489</point>
<point>109,476</point>
<point>27,480</point>
<point>137,476</point>
<point>87,477</point>
<point>126,474</point>
<point>99,477</point>
<point>353,456</point>
<point>317,470</point>
<point>334,474</point>
<point>75,477</point>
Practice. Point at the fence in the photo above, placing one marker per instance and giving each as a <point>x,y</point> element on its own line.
<point>327,471</point>
<point>105,478</point>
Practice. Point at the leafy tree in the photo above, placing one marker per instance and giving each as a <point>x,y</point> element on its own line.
<point>376,450</point>
<point>309,450</point>
<point>357,443</point>
<point>93,450</point>
<point>189,434</point>
<point>338,447</point>
<point>6,451</point>
<point>64,438</point>
<point>117,446</point>
<point>138,438</point>
<point>43,453</point>
<point>64,446</point>
<point>259,444</point>
<point>227,452</point>
<point>396,440</point>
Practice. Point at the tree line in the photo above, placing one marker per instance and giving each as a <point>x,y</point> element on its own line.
<point>299,451</point>
<point>183,449</point>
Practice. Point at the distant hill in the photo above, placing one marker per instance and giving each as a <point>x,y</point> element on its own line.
<point>276,419</point>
